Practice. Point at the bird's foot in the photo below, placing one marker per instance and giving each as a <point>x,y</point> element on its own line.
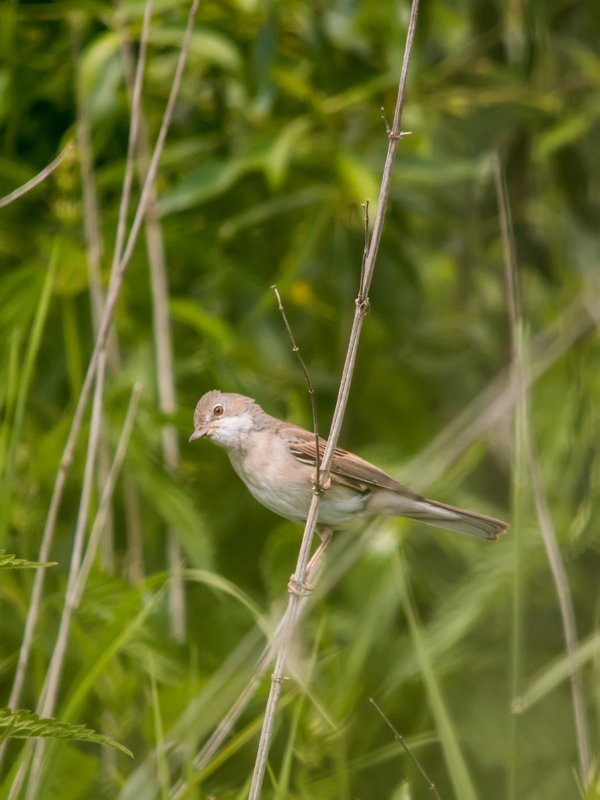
<point>318,484</point>
<point>300,588</point>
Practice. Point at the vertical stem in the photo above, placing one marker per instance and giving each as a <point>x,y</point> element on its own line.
<point>49,694</point>
<point>94,248</point>
<point>530,460</point>
<point>165,373</point>
<point>361,308</point>
<point>104,329</point>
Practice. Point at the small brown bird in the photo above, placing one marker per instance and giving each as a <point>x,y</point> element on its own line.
<point>277,463</point>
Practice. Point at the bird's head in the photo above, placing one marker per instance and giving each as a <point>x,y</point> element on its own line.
<point>223,416</point>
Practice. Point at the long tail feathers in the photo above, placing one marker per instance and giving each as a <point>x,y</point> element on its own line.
<point>458,519</point>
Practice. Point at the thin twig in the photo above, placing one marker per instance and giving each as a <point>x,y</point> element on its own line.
<point>398,736</point>
<point>39,178</point>
<point>388,130</point>
<point>365,207</point>
<point>361,306</point>
<point>555,561</point>
<point>311,391</point>
<point>100,344</point>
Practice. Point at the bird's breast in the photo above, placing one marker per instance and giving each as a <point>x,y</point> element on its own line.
<point>284,485</point>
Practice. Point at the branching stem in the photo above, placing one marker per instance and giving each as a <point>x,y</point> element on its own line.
<point>295,600</point>
<point>311,390</point>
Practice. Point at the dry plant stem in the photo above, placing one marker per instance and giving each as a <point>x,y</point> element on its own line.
<point>311,390</point>
<point>134,127</point>
<point>91,214</point>
<point>94,248</point>
<point>49,693</point>
<point>170,446</point>
<point>518,481</point>
<point>566,610</point>
<point>39,178</point>
<point>545,520</point>
<point>117,275</point>
<point>162,343</point>
<point>294,600</point>
<point>106,497</point>
<point>365,208</point>
<point>222,731</point>
<point>399,738</point>
<point>76,586</point>
<point>47,700</point>
<point>100,344</point>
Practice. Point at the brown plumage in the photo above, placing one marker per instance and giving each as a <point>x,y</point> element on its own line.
<point>277,463</point>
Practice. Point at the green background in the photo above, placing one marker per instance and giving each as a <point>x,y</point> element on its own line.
<point>277,139</point>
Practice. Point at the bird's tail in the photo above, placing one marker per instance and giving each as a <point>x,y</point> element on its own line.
<point>457,519</point>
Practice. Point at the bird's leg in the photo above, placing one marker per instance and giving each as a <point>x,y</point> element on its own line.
<point>303,588</point>
<point>326,534</point>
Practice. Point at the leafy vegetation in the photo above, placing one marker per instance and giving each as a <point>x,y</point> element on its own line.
<point>26,725</point>
<point>276,140</point>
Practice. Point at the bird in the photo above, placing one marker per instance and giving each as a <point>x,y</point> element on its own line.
<point>277,462</point>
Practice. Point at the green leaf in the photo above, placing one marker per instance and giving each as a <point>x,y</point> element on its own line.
<point>8,561</point>
<point>206,46</point>
<point>192,314</point>
<point>556,673</point>
<point>102,73</point>
<point>359,180</point>
<point>211,179</point>
<point>23,724</point>
<point>283,150</point>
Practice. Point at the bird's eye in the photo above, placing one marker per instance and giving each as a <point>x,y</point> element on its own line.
<point>217,410</point>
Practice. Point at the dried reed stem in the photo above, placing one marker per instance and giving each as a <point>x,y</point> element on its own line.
<point>49,693</point>
<point>165,372</point>
<point>555,561</point>
<point>361,308</point>
<point>107,493</point>
<point>94,249</point>
<point>99,347</point>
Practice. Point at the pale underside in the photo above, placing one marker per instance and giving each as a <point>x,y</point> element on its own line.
<point>357,488</point>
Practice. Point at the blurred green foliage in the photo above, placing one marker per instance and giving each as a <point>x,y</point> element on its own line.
<point>276,141</point>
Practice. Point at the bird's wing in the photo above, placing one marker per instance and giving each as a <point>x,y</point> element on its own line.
<point>346,468</point>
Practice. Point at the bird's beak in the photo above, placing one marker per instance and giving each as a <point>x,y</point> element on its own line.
<point>199,433</point>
